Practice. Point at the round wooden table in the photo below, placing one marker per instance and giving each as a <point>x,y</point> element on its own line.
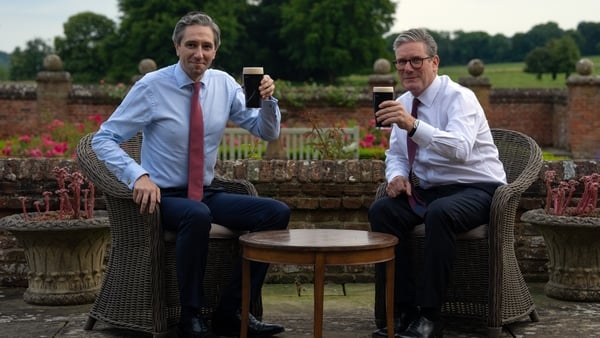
<point>318,247</point>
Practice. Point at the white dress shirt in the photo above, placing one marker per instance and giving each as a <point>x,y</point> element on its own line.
<point>454,141</point>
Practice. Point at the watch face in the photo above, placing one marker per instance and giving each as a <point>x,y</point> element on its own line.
<point>414,128</point>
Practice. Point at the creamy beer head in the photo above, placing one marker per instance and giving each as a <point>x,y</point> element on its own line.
<point>383,89</point>
<point>253,70</point>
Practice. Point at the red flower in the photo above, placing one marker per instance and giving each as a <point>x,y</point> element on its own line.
<point>96,118</point>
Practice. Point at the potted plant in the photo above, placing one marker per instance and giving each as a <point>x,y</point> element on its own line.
<point>571,232</point>
<point>64,248</point>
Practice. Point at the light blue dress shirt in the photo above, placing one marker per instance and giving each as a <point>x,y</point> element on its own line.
<point>159,105</point>
<point>454,140</point>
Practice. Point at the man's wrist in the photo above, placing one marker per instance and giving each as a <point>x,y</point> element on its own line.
<point>414,128</point>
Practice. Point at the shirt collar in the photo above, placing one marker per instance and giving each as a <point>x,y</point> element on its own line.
<point>184,80</point>
<point>427,97</point>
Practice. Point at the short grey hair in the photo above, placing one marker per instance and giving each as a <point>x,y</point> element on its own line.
<point>417,35</point>
<point>196,18</point>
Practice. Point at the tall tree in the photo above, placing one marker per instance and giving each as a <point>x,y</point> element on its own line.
<point>500,48</point>
<point>147,27</point>
<point>472,45</point>
<point>25,64</point>
<point>82,48</point>
<point>590,32</point>
<point>557,56</point>
<point>263,45</point>
<point>230,16</point>
<point>564,54</point>
<point>537,61</point>
<point>446,47</point>
<point>537,36</point>
<point>329,38</point>
<point>4,63</point>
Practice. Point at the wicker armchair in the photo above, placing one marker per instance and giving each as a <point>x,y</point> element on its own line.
<point>139,291</point>
<point>486,281</point>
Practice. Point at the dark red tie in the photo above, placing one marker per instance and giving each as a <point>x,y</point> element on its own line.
<point>196,148</point>
<point>415,202</point>
<point>410,144</point>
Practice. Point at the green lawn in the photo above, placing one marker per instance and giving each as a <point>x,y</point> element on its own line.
<point>511,75</point>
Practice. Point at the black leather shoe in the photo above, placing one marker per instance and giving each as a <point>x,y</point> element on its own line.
<point>400,324</point>
<point>230,324</point>
<point>423,328</point>
<point>193,326</point>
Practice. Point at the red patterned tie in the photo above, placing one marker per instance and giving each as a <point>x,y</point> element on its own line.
<point>196,148</point>
<point>411,145</point>
<point>415,202</point>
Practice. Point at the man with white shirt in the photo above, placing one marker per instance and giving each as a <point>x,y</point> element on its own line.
<point>440,135</point>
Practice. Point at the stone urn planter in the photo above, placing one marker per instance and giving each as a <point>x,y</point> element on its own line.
<point>65,257</point>
<point>573,246</point>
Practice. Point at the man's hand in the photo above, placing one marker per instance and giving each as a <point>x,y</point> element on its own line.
<point>146,193</point>
<point>397,186</point>
<point>267,87</point>
<point>394,112</point>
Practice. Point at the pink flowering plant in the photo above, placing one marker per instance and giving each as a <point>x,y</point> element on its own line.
<point>75,195</point>
<point>56,139</point>
<point>374,141</point>
<point>559,195</point>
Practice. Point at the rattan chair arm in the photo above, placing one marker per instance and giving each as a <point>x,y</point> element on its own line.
<point>97,172</point>
<point>380,193</point>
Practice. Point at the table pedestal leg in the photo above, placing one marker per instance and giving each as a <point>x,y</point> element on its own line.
<point>389,297</point>
<point>245,298</point>
<point>319,295</point>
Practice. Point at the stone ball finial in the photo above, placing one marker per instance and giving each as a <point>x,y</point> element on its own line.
<point>52,63</point>
<point>584,67</point>
<point>382,66</point>
<point>475,67</point>
<point>146,66</point>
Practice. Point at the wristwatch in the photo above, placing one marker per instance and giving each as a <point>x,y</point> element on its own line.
<point>414,128</point>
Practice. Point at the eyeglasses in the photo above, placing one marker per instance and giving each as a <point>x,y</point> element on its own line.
<point>415,62</point>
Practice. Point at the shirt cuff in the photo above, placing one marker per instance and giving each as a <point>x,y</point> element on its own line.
<point>131,174</point>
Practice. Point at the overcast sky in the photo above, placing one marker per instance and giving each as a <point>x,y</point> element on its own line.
<point>25,20</point>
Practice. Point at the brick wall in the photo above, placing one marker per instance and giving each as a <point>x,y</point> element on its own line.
<point>21,112</point>
<point>321,194</point>
<point>583,120</point>
<point>562,119</point>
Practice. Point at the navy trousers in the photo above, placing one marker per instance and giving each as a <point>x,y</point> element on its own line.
<point>451,209</point>
<point>192,221</point>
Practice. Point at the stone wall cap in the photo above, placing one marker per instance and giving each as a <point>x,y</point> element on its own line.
<point>584,80</point>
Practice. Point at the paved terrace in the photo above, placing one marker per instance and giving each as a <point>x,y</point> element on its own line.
<point>348,316</point>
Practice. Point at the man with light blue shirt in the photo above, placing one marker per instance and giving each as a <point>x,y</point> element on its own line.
<point>441,136</point>
<point>159,105</point>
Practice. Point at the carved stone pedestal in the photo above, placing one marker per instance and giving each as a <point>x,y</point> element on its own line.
<point>573,252</point>
<point>65,257</point>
